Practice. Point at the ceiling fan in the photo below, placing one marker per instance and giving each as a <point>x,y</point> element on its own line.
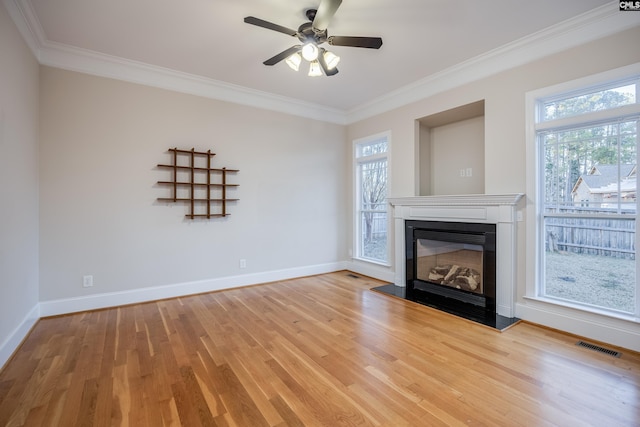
<point>312,34</point>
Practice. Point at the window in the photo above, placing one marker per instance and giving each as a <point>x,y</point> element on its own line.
<point>371,182</point>
<point>586,147</point>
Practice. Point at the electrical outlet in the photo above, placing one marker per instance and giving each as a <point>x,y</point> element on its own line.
<point>243,263</point>
<point>469,172</point>
<point>87,281</point>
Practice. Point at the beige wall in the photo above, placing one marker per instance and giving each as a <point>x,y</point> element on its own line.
<point>18,186</point>
<point>101,140</point>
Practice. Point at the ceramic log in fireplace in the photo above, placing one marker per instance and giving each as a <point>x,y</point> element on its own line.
<point>451,266</point>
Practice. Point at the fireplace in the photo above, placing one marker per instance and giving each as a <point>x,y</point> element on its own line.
<point>452,266</point>
<point>493,219</point>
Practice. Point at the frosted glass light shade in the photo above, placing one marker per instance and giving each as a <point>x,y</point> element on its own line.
<point>294,61</point>
<point>310,52</point>
<point>331,59</point>
<point>314,69</point>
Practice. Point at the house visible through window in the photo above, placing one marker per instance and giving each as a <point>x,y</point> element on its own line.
<point>587,156</point>
<point>371,166</point>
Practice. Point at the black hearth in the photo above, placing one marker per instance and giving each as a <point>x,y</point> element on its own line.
<point>451,266</point>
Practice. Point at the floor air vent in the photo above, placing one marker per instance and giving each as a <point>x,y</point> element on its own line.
<point>353,275</point>
<point>598,348</point>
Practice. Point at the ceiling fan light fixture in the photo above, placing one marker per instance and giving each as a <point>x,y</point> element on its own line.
<point>310,51</point>
<point>314,69</point>
<point>294,61</point>
<point>311,34</point>
<point>331,59</point>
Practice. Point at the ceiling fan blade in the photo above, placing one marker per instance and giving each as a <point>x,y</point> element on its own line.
<point>325,12</point>
<point>368,42</point>
<point>323,64</point>
<point>269,25</point>
<point>282,55</point>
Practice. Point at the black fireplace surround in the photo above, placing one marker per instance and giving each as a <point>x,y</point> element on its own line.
<point>478,302</point>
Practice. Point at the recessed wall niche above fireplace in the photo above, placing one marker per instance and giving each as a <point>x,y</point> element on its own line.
<point>476,234</point>
<point>451,149</point>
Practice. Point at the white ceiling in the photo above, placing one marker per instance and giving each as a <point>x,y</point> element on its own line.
<point>208,39</point>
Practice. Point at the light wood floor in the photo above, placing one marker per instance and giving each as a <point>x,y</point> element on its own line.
<point>316,351</point>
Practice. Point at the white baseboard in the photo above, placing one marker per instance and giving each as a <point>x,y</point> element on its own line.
<point>114,299</point>
<point>14,340</point>
<point>618,332</point>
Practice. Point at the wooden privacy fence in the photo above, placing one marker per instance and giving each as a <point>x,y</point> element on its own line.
<point>594,236</point>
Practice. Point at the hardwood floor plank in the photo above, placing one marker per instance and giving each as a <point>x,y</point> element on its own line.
<point>196,397</point>
<point>55,405</point>
<point>289,417</point>
<point>239,404</point>
<point>324,412</point>
<point>186,411</point>
<point>87,413</point>
<point>315,351</point>
<point>247,373</point>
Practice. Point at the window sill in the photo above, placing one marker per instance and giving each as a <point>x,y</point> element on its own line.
<point>584,309</point>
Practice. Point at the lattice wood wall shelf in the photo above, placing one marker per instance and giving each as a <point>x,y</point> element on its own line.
<point>194,181</point>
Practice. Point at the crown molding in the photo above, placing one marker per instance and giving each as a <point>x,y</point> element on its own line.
<point>98,64</point>
<point>600,22</point>
<point>597,23</point>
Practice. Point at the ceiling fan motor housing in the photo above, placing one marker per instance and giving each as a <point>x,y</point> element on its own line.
<point>306,33</point>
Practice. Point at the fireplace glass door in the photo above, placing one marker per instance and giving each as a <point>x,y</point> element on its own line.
<point>457,265</point>
<point>451,264</point>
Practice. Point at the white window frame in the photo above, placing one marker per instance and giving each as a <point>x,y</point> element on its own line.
<point>357,227</point>
<point>535,182</point>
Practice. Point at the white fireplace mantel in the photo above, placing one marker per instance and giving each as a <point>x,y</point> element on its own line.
<point>498,209</point>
